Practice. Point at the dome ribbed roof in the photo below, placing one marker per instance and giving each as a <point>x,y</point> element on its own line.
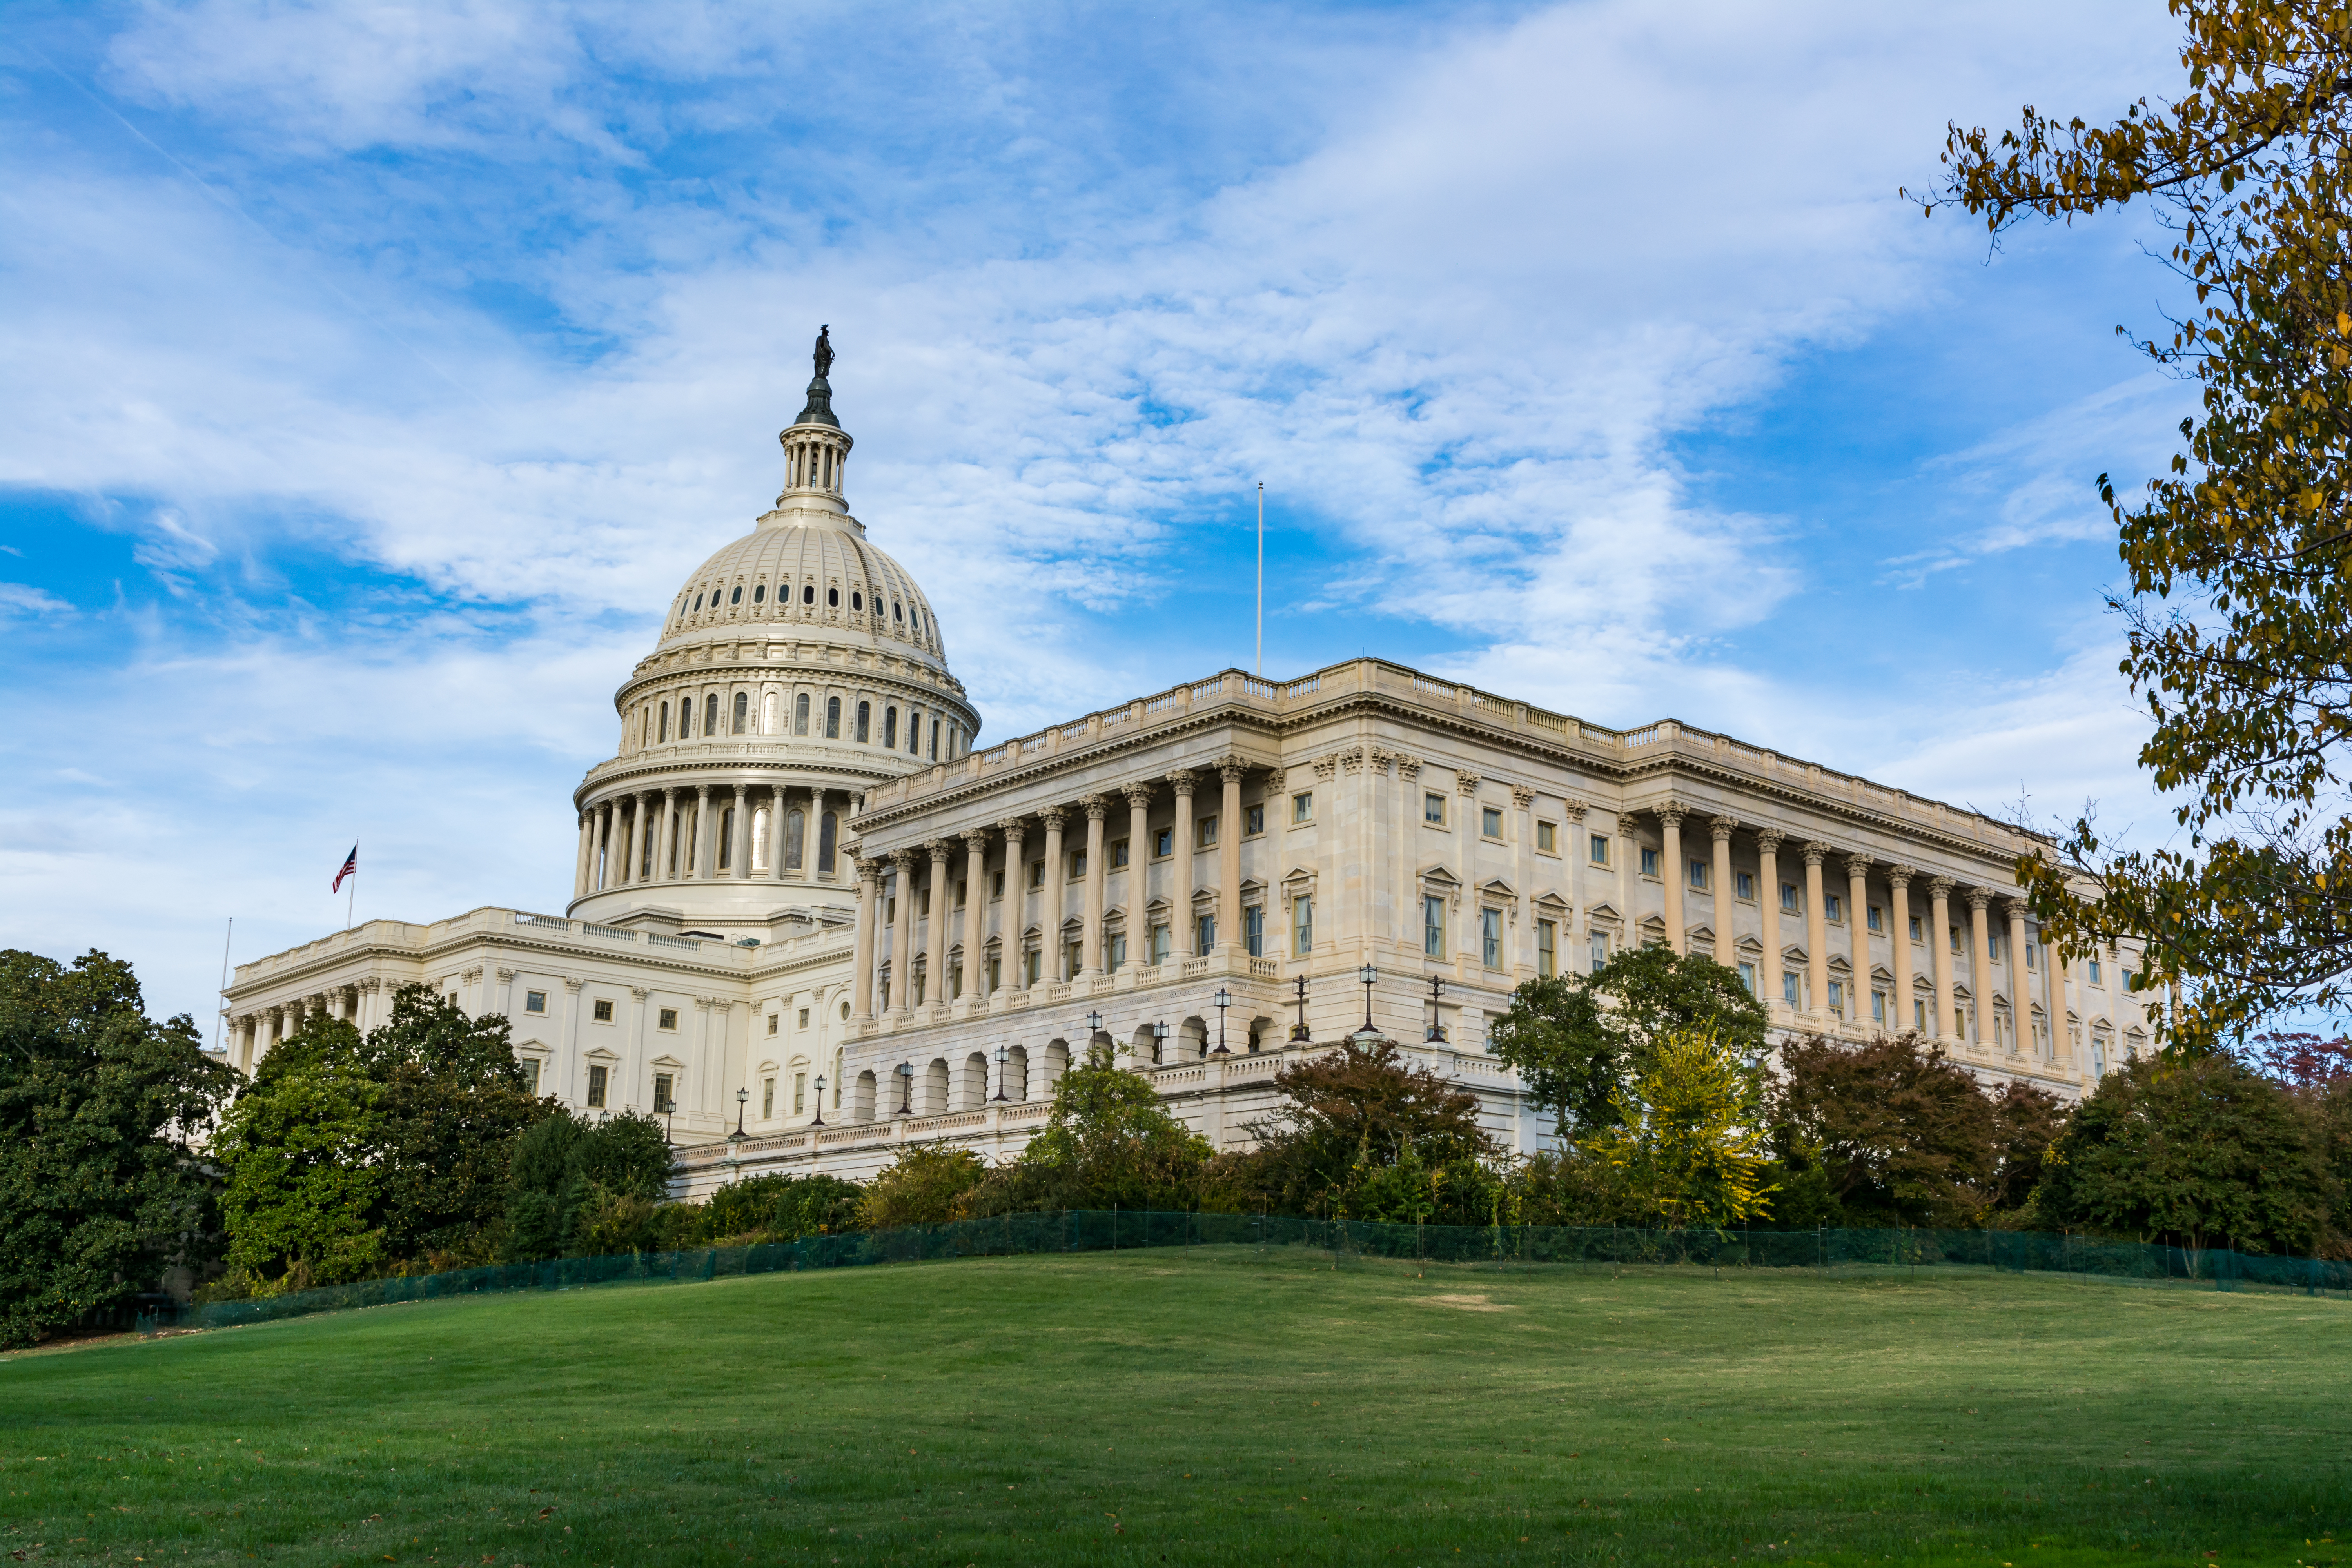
<point>816,579</point>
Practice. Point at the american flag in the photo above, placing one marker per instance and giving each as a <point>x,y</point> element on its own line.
<point>350,868</point>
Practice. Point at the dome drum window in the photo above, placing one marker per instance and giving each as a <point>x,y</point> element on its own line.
<point>760,594</point>
<point>808,594</point>
<point>736,597</point>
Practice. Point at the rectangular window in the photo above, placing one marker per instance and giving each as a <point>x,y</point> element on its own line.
<point>955,980</point>
<point>1033,961</point>
<point>2128,977</point>
<point>1253,930</point>
<point>530,1066</point>
<point>997,884</point>
<point>1877,918</point>
<point>662,1100</point>
<point>1118,853</point>
<point>1837,997</point>
<point>1960,1022</point>
<point>1036,873</point>
<point>1698,875</point>
<point>1204,833</point>
<point>1648,861</point>
<point>1302,927</point>
<point>801,1023</point>
<point>1919,1014</point>
<point>1748,977</point>
<point>669,1018</point>
<point>1204,935</point>
<point>534,1001</point>
<point>1745,886</point>
<point>1600,849</point>
<point>1432,925</point>
<point>923,904</point>
<point>2094,972</point>
<point>1834,908</point>
<point>596,1085</point>
<point>1788,898</point>
<point>800,1092</point>
<point>1992,945</point>
<point>1302,807</point>
<point>1163,842</point>
<point>772,1021</point>
<point>604,1011</point>
<point>1253,821</point>
<point>1600,950</point>
<point>2033,955</point>
<point>995,972</point>
<point>1490,821</point>
<point>1118,951</point>
<point>766,1098</point>
<point>1077,865</point>
<point>1490,938</point>
<point>1432,809</point>
<point>1955,942</point>
<point>1916,936</point>
<point>1164,943</point>
<point>1789,992</point>
<point>1878,1007</point>
<point>935,740</point>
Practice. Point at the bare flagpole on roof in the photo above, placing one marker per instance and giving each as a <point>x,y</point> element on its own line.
<point>1261,579</point>
<point>226,939</point>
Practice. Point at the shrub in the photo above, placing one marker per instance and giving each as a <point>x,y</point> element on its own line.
<point>926,1185</point>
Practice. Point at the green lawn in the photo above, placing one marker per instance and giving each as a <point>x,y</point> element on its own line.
<point>1217,1407</point>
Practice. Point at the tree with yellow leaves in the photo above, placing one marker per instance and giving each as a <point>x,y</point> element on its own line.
<point>1690,1142</point>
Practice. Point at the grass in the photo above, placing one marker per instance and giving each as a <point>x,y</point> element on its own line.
<point>1221,1406</point>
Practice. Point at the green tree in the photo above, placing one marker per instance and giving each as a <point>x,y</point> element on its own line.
<point>1901,1134</point>
<point>1689,1135</point>
<point>303,1203</point>
<point>577,1186</point>
<point>1107,1143</point>
<point>928,1184</point>
<point>1576,1039</point>
<point>2239,561</point>
<point>2195,1151</point>
<point>101,1189</point>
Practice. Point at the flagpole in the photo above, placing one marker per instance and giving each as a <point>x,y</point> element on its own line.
<point>352,901</point>
<point>225,939</point>
<point>1261,579</point>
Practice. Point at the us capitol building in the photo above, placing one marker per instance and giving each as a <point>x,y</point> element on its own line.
<point>808,901</point>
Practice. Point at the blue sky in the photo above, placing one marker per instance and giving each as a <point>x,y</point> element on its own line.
<point>377,372</point>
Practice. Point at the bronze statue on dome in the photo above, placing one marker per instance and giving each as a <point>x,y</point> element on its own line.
<point>823,351</point>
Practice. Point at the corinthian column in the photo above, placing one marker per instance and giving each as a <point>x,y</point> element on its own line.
<point>1670,829</point>
<point>1981,964</point>
<point>706,849</point>
<point>587,853</point>
<point>935,982</point>
<point>1857,931</point>
<point>2021,979</point>
<point>776,832</point>
<point>1768,904</point>
<point>975,914</point>
<point>1899,944</point>
<point>1057,876</point>
<point>1090,936</point>
<point>1180,862</point>
<point>665,865</point>
<point>603,877</point>
<point>1139,868</point>
<point>1939,948</point>
<point>869,897</point>
<point>1817,931</point>
<point>1229,855</point>
<point>902,932</point>
<point>741,850</point>
<point>1726,952</point>
<point>1014,919</point>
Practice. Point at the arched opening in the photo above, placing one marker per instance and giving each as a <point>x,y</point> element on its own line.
<point>710,715</point>
<point>865,723</point>
<point>795,828</point>
<point>1192,1039</point>
<point>890,728</point>
<point>1016,1073</point>
<point>933,1100</point>
<point>861,1098</point>
<point>828,833</point>
<point>1263,1032</point>
<point>1144,1049</point>
<point>1057,1062</point>
<point>973,1091</point>
<point>760,839</point>
<point>801,715</point>
<point>833,718</point>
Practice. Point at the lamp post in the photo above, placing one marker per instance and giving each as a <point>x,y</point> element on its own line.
<point>1159,1041</point>
<point>1223,999</point>
<point>1368,977</point>
<point>820,1101</point>
<point>1001,1054</point>
<point>735,1138</point>
<point>1436,1036</point>
<point>1299,1031</point>
<point>906,1090</point>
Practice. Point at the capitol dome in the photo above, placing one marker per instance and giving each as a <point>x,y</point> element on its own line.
<point>796,667</point>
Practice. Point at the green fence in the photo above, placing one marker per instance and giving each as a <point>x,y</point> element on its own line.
<point>1344,1243</point>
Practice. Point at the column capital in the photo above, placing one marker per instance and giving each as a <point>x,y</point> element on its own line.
<point>370,983</point>
<point>1575,810</point>
<point>867,867</point>
<point>1769,839</point>
<point>1898,875</point>
<point>1408,765</point>
<point>1231,768</point>
<point>940,849</point>
<point>1139,794</point>
<point>903,861</point>
<point>1815,851</point>
<point>1379,758</point>
<point>2015,907</point>
<point>1095,806</point>
<point>1326,766</point>
<point>1053,816</point>
<point>975,839</point>
<point>1182,780</point>
<point>1522,796</point>
<point>1978,898</point>
<point>1722,827</point>
<point>1467,784</point>
<point>574,985</point>
<point>505,974</point>
<point>668,794</point>
<point>640,992</point>
<point>1859,864</point>
<point>1940,887</point>
<point>1671,813</point>
<point>1015,828</point>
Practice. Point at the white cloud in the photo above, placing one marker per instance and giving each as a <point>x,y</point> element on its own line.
<point>23,599</point>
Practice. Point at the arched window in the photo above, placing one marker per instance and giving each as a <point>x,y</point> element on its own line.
<point>833,718</point>
<point>808,594</point>
<point>896,613</point>
<point>935,743</point>
<point>710,715</point>
<point>737,596</point>
<point>914,733</point>
<point>768,715</point>
<point>865,723</point>
<point>727,838</point>
<point>795,829</point>
<point>760,594</point>
<point>890,728</point>
<point>742,710</point>
<point>664,720</point>
<point>857,600</point>
<point>697,601</point>
<point>800,714</point>
<point>828,830</point>
<point>760,839</point>
<point>832,598</point>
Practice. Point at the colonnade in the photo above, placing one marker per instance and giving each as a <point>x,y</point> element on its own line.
<point>930,869</point>
<point>684,834</point>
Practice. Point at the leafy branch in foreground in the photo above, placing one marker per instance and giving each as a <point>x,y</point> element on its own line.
<point>2239,561</point>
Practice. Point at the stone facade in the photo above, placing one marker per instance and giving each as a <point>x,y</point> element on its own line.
<point>807,905</point>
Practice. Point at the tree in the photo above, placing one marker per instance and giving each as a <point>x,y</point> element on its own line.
<point>1107,1143</point>
<point>1574,1039</point>
<point>1901,1134</point>
<point>1689,1135</point>
<point>303,1204</point>
<point>1349,1113</point>
<point>568,1176</point>
<point>101,1106</point>
<point>928,1184</point>
<point>2239,561</point>
<point>2195,1151</point>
